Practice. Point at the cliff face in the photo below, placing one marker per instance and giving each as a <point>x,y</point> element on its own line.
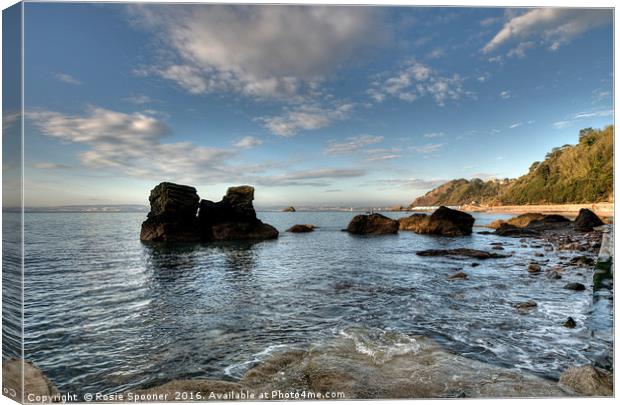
<point>581,173</point>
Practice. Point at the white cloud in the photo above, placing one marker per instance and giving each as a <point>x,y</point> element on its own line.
<point>9,118</point>
<point>505,95</point>
<point>417,80</point>
<point>259,51</point>
<point>305,117</point>
<point>313,177</point>
<point>140,99</point>
<point>519,50</point>
<point>430,148</point>
<point>436,53</point>
<point>352,144</point>
<point>248,142</point>
<point>63,77</point>
<point>50,166</point>
<point>576,118</point>
<point>411,183</point>
<point>381,154</point>
<point>551,27</point>
<point>515,125</point>
<point>434,135</point>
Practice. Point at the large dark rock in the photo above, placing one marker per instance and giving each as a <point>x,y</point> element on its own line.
<point>477,254</point>
<point>233,218</point>
<point>506,229</point>
<point>299,228</point>
<point>373,224</point>
<point>289,209</point>
<point>444,221</point>
<point>173,214</point>
<point>586,220</point>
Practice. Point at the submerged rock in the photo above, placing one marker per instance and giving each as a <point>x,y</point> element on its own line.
<point>173,214</point>
<point>570,323</point>
<point>478,254</point>
<point>34,381</point>
<point>372,224</point>
<point>533,268</point>
<point>575,286</point>
<point>301,228</point>
<point>588,380</point>
<point>586,220</point>
<point>444,221</point>
<point>458,275</point>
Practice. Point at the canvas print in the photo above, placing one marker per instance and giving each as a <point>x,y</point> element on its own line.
<point>303,202</point>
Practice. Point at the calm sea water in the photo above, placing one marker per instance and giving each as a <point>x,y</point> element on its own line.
<point>105,312</point>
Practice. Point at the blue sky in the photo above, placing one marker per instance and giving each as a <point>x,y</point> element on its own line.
<point>364,106</point>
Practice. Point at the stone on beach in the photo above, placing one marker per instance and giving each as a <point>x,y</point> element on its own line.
<point>372,224</point>
<point>588,380</point>
<point>477,254</point>
<point>586,220</point>
<point>444,221</point>
<point>15,371</point>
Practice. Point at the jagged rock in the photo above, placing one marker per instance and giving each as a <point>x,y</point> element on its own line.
<point>372,224</point>
<point>526,305</point>
<point>15,371</point>
<point>458,275</point>
<point>588,380</point>
<point>506,229</point>
<point>586,220</point>
<point>173,214</point>
<point>478,254</point>
<point>444,221</point>
<point>570,323</point>
<point>289,209</point>
<point>533,268</point>
<point>301,228</point>
<point>233,218</point>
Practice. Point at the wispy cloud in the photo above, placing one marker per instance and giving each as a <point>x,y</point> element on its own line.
<point>430,148</point>
<point>416,80</point>
<point>67,78</point>
<point>314,177</point>
<point>579,117</point>
<point>50,166</point>
<point>248,142</point>
<point>434,135</point>
<point>351,144</point>
<point>409,183</point>
<point>515,125</point>
<point>140,99</point>
<point>551,27</point>
<point>505,95</point>
<point>305,118</point>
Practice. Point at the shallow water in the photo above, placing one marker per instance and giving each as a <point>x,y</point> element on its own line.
<point>105,312</point>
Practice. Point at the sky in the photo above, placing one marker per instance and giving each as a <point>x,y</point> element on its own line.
<point>314,106</point>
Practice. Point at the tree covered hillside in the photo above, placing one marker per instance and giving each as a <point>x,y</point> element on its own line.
<point>581,173</point>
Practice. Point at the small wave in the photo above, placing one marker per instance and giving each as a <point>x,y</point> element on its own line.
<point>237,370</point>
<point>381,345</point>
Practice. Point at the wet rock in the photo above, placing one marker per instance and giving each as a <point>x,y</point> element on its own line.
<point>475,264</point>
<point>588,380</point>
<point>533,268</point>
<point>485,233</point>
<point>444,221</point>
<point>207,389</point>
<point>538,254</point>
<point>570,323</point>
<point>15,371</point>
<point>458,276</point>
<point>301,228</point>
<point>477,254</point>
<point>582,260</point>
<point>586,220</point>
<point>515,232</point>
<point>554,275</point>
<point>497,247</point>
<point>289,209</point>
<point>575,286</point>
<point>233,218</point>
<point>372,224</point>
<point>526,305</point>
<point>173,214</point>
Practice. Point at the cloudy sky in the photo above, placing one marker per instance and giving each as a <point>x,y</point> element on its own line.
<point>311,105</point>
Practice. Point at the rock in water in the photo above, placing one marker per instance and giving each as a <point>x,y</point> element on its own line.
<point>35,382</point>
<point>587,380</point>
<point>477,254</point>
<point>586,220</point>
<point>575,287</point>
<point>289,209</point>
<point>301,228</point>
<point>444,221</point>
<point>373,224</point>
<point>173,214</point>
<point>233,218</point>
<point>570,323</point>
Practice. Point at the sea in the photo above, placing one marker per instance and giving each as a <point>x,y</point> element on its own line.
<point>105,312</point>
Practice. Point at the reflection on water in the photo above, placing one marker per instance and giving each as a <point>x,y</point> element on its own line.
<point>105,312</point>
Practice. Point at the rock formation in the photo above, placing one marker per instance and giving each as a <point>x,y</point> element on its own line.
<point>289,209</point>
<point>444,221</point>
<point>35,382</point>
<point>301,228</point>
<point>372,224</point>
<point>586,220</point>
<point>476,254</point>
<point>173,216</point>
<point>587,380</point>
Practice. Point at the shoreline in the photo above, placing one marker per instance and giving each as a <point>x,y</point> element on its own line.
<point>605,209</point>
